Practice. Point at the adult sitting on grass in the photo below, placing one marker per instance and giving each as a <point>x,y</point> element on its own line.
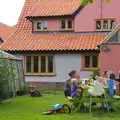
<point>34,93</point>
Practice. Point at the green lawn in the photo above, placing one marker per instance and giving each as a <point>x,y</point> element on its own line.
<point>27,108</point>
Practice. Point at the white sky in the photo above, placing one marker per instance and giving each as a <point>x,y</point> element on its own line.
<point>10,11</point>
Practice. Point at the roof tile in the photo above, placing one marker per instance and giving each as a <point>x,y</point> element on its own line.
<point>60,41</point>
<point>54,7</point>
<point>23,40</point>
<point>6,31</point>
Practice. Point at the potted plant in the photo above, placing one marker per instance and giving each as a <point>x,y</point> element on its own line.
<point>94,73</point>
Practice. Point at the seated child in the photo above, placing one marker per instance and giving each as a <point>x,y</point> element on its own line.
<point>76,91</point>
<point>111,85</point>
<point>102,80</point>
<point>34,93</point>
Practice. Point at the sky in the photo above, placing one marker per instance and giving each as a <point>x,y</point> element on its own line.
<point>10,11</point>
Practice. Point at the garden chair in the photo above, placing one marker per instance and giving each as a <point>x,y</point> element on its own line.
<point>98,95</point>
<point>112,100</point>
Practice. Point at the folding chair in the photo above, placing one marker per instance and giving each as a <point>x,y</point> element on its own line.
<point>111,100</point>
<point>97,92</point>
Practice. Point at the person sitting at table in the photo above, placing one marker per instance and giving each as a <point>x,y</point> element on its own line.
<point>76,91</point>
<point>102,80</point>
<point>111,85</point>
<point>67,90</point>
<point>108,74</point>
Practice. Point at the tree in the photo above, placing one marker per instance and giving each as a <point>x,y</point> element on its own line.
<point>84,2</point>
<point>14,25</point>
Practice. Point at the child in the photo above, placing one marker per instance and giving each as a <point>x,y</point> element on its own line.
<point>76,91</point>
<point>111,85</point>
<point>67,91</point>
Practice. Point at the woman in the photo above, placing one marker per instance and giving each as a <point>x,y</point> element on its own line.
<point>102,80</point>
<point>67,91</point>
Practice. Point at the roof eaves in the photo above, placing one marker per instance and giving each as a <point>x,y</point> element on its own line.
<point>77,11</point>
<point>53,16</point>
<point>49,51</point>
<point>8,56</point>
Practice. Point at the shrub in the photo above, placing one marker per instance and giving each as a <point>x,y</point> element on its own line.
<point>5,76</point>
<point>25,89</point>
<point>94,73</point>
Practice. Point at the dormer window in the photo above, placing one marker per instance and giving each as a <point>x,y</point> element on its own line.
<point>66,25</point>
<point>42,25</point>
<point>105,24</point>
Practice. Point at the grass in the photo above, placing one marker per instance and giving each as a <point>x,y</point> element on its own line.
<point>27,108</point>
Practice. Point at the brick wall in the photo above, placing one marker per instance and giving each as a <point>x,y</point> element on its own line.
<point>46,85</point>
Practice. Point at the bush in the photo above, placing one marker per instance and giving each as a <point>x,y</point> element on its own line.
<point>4,78</point>
<point>94,73</point>
<point>25,89</point>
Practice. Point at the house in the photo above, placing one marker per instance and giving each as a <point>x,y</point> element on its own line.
<point>5,32</point>
<point>109,52</point>
<point>53,37</point>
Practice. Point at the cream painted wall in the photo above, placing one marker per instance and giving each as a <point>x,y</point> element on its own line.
<point>64,64</point>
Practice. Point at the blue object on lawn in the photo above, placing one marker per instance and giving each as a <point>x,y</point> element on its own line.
<point>57,106</point>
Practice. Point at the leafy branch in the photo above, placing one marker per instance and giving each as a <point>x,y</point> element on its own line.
<point>84,2</point>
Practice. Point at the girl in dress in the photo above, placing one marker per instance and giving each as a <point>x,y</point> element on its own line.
<point>111,85</point>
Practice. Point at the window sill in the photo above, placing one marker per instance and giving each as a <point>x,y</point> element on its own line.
<point>90,69</point>
<point>40,74</point>
<point>63,30</point>
<point>42,30</point>
<point>103,30</point>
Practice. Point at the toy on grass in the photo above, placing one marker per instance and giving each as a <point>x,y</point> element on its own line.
<point>58,108</point>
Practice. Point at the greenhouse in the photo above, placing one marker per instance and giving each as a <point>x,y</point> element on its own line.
<point>12,80</point>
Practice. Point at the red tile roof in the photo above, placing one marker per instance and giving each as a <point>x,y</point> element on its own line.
<point>6,31</point>
<point>55,7</point>
<point>24,40</point>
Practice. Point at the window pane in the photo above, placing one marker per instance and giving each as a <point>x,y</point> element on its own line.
<point>94,61</point>
<point>43,64</point>
<point>105,24</point>
<point>50,64</point>
<point>35,64</point>
<point>115,37</point>
<point>69,24</point>
<point>39,25</point>
<point>98,24</point>
<point>112,24</point>
<point>28,64</point>
<point>87,61</point>
<point>45,25</point>
<point>63,24</point>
